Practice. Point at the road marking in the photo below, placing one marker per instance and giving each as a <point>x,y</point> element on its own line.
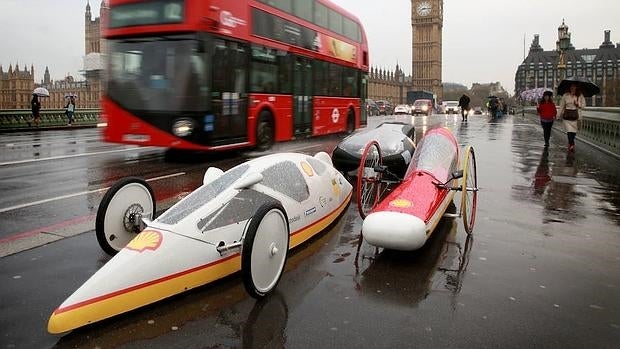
<point>72,156</point>
<point>48,228</point>
<point>62,197</point>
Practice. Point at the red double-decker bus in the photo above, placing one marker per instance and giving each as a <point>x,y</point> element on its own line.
<point>221,74</point>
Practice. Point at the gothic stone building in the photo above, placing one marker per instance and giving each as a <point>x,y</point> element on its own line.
<point>540,68</point>
<point>387,85</point>
<point>16,85</point>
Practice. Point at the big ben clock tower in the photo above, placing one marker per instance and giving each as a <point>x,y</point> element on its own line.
<point>427,24</point>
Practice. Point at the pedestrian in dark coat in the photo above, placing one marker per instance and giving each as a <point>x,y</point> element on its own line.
<point>36,107</point>
<point>464,104</point>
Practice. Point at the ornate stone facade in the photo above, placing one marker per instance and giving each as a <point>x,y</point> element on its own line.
<point>427,26</point>
<point>601,66</point>
<point>388,85</point>
<point>16,85</point>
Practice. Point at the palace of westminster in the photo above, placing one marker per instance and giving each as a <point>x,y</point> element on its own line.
<point>538,69</point>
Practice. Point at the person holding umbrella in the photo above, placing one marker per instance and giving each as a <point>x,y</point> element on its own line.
<point>571,104</point>
<point>36,108</point>
<point>547,112</point>
<point>573,92</point>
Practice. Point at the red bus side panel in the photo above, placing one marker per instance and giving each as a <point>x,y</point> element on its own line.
<point>330,114</point>
<point>281,109</point>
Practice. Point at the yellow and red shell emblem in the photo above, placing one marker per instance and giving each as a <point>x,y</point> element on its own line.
<point>401,203</point>
<point>146,240</point>
<point>307,169</point>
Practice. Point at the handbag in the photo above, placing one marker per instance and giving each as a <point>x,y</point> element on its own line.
<point>570,114</point>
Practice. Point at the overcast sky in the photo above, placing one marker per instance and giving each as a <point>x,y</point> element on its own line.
<point>482,39</point>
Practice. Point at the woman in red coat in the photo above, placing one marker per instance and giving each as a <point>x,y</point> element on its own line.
<point>547,112</point>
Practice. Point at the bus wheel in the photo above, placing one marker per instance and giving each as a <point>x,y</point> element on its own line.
<point>350,121</point>
<point>264,131</point>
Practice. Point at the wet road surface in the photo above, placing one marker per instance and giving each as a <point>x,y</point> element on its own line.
<point>542,268</point>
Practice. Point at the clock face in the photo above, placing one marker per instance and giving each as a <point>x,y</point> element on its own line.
<point>424,8</point>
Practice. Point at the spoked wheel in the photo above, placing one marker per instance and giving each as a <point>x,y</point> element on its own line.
<point>264,250</point>
<point>120,212</point>
<point>469,197</point>
<point>368,179</point>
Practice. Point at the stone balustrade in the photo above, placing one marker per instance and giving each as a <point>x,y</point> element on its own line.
<point>14,119</point>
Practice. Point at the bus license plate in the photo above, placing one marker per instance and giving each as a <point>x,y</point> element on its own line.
<point>136,138</point>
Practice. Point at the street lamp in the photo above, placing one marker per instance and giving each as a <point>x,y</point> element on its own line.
<point>562,45</point>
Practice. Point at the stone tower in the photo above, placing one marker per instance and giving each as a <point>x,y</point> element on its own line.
<point>427,25</point>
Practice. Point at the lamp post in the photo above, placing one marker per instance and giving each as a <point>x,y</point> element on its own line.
<point>562,45</point>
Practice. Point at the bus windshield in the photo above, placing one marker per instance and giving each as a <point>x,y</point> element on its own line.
<point>163,73</point>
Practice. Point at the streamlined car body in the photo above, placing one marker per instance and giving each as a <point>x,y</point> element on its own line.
<point>232,222</point>
<point>403,217</point>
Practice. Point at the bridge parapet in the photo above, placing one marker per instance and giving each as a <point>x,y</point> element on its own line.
<point>15,119</point>
<point>599,126</point>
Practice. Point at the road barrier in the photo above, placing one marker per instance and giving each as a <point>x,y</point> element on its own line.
<point>18,119</point>
<point>599,127</point>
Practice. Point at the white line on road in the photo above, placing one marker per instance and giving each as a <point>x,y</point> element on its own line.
<point>72,156</point>
<point>16,207</point>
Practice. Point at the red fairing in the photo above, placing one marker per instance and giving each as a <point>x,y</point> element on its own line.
<point>435,158</point>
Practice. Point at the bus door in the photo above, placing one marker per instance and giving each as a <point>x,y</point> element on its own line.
<point>302,97</point>
<point>227,122</point>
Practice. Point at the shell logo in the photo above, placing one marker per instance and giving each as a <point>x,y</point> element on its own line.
<point>335,187</point>
<point>146,240</point>
<point>401,203</point>
<point>307,169</point>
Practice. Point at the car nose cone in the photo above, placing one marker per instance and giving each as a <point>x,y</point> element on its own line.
<point>394,230</point>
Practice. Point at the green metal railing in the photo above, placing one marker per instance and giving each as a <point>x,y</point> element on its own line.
<point>599,126</point>
<point>15,119</point>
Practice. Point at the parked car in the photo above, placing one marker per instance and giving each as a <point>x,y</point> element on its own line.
<point>385,108</point>
<point>452,107</point>
<point>423,106</point>
<point>402,109</point>
<point>371,108</point>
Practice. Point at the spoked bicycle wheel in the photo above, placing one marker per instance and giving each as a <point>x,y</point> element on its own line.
<point>469,198</point>
<point>369,179</point>
<point>119,212</point>
<point>264,250</point>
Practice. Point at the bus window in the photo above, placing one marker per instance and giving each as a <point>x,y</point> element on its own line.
<point>335,21</point>
<point>320,15</point>
<point>303,9</point>
<point>335,80</point>
<point>321,80</point>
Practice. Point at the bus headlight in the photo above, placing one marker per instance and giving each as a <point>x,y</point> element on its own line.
<point>183,127</point>
<point>424,108</point>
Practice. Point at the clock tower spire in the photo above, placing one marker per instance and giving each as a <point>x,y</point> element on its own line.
<point>427,25</point>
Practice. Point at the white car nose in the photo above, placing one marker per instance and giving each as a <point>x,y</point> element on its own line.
<point>394,230</point>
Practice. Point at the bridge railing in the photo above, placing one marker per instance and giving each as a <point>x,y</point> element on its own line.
<point>599,126</point>
<point>14,119</point>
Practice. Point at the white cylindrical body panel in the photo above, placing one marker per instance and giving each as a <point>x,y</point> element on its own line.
<point>394,230</point>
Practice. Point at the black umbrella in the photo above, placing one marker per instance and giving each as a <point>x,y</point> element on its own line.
<point>588,88</point>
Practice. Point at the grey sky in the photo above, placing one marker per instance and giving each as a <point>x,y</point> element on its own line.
<point>482,39</point>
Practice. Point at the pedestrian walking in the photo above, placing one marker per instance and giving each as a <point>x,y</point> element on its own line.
<point>547,112</point>
<point>571,105</point>
<point>70,110</point>
<point>464,104</point>
<point>36,108</point>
